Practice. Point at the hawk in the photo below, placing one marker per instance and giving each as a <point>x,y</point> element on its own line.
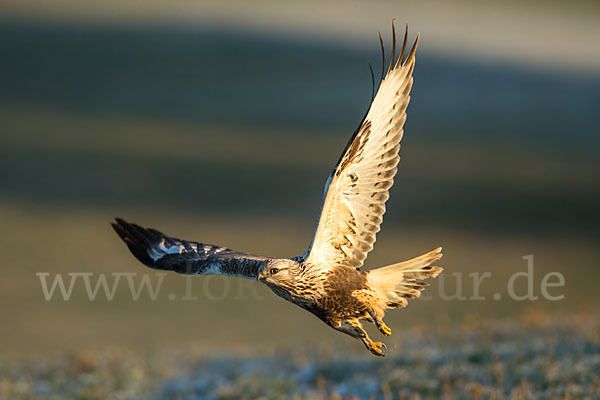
<point>327,280</point>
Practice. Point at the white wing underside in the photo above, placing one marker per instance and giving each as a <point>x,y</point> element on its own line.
<point>356,191</point>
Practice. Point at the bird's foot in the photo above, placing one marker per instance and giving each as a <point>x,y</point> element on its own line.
<point>383,328</point>
<point>378,348</point>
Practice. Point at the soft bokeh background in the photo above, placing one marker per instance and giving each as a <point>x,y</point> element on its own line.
<point>219,121</point>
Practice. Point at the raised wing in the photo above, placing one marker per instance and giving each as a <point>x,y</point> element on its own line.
<point>158,251</point>
<point>357,189</point>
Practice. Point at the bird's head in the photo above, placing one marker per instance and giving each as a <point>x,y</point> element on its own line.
<point>281,273</point>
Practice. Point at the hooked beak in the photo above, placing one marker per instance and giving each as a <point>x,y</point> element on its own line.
<point>262,277</point>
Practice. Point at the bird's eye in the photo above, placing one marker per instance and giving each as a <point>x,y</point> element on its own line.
<point>274,271</point>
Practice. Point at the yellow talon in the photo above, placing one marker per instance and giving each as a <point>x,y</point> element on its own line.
<point>378,348</point>
<point>385,330</point>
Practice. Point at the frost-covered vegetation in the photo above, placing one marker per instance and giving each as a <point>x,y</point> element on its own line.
<point>533,357</point>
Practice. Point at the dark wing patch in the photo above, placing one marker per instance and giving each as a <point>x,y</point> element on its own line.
<point>355,149</point>
<point>158,251</point>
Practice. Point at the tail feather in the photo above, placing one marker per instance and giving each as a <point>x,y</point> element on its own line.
<point>399,282</point>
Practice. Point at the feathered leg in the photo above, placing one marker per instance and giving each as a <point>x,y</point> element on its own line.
<point>353,328</point>
<point>383,328</point>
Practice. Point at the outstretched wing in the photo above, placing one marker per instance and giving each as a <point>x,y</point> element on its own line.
<point>357,189</point>
<point>158,251</point>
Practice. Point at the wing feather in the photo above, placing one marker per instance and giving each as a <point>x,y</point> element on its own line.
<point>357,189</point>
<point>158,251</point>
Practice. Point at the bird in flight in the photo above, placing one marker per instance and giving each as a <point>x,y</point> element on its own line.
<point>327,279</point>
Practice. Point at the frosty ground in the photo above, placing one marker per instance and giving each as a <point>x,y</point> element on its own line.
<point>536,356</point>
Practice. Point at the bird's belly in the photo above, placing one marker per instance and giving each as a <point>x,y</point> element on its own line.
<point>346,295</point>
<point>337,308</point>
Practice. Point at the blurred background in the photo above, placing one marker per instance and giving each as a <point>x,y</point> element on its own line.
<point>220,121</point>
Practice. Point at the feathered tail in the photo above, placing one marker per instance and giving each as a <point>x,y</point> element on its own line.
<point>399,282</point>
